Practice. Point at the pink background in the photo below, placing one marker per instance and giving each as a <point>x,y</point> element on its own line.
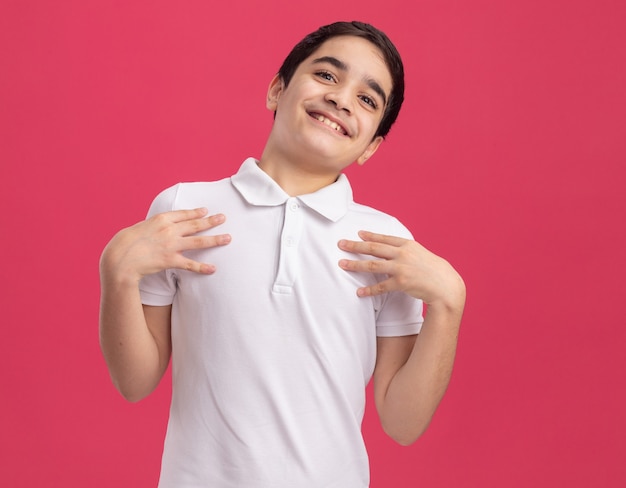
<point>508,158</point>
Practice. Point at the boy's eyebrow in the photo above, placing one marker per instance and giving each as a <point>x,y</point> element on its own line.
<point>340,65</point>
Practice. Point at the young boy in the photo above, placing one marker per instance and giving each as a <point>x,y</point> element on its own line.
<point>279,307</point>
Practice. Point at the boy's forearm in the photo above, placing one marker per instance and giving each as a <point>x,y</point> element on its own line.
<point>418,386</point>
<point>130,350</point>
<point>135,340</point>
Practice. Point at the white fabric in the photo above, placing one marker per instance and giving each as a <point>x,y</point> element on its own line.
<point>272,353</point>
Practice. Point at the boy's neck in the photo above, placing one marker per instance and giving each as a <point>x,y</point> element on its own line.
<point>294,178</point>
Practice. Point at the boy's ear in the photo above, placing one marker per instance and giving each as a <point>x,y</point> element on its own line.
<point>369,150</point>
<point>273,93</point>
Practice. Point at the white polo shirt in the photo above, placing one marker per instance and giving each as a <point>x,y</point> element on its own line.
<point>272,353</point>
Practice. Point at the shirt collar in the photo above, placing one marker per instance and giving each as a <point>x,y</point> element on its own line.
<point>257,188</point>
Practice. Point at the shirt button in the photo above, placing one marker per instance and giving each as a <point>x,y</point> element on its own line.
<point>294,206</point>
<point>289,241</point>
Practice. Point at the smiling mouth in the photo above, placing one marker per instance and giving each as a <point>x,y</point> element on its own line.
<point>330,123</point>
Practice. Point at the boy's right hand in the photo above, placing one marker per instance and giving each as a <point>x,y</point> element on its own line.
<point>158,243</point>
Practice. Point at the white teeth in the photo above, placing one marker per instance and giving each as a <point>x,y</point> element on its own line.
<point>329,123</point>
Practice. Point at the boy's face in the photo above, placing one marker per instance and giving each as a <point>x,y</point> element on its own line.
<point>333,105</point>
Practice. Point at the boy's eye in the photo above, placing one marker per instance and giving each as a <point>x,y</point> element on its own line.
<point>325,75</point>
<point>370,101</point>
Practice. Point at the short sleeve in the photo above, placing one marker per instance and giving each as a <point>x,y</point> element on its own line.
<point>159,289</point>
<point>400,315</point>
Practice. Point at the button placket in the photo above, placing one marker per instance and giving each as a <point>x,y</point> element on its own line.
<point>288,262</point>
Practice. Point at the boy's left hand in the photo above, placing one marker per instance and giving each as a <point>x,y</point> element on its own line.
<point>411,268</point>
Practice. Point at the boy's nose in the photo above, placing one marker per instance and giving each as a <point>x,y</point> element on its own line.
<point>340,99</point>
